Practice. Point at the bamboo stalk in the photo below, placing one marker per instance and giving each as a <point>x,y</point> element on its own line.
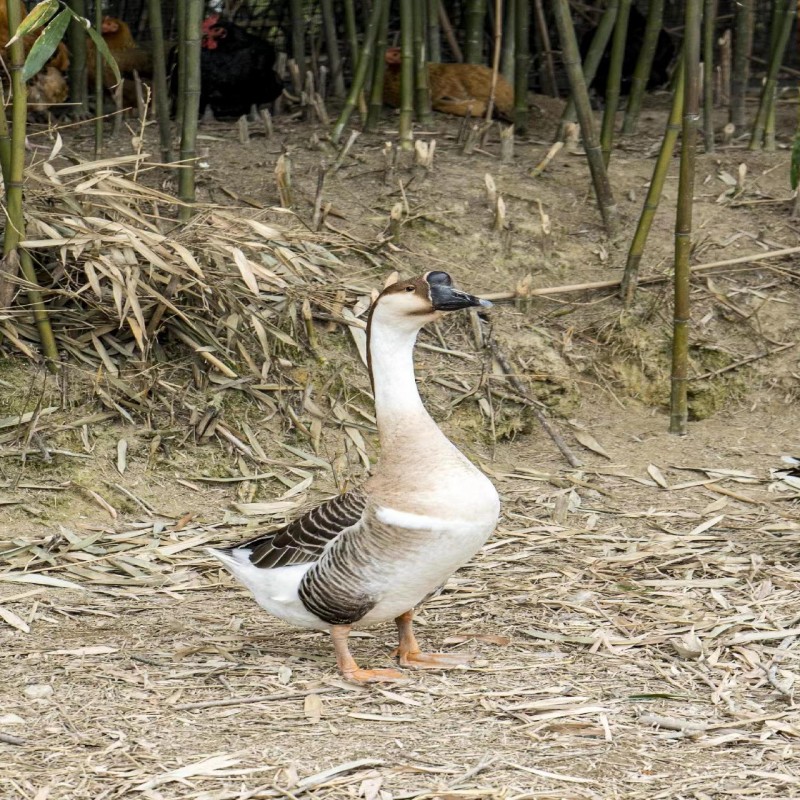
<point>243,129</point>
<point>15,223</point>
<point>99,85</point>
<point>769,121</point>
<point>5,142</point>
<point>351,34</point>
<point>631,274</point>
<point>307,95</point>
<point>471,140</point>
<point>450,35</point>
<point>376,91</point>
<point>784,18</point>
<point>332,46</point>
<point>727,134</point>
<point>498,41</point>
<point>596,49</point>
<point>554,150</point>
<point>678,405</point>
<point>422,91</point>
<point>322,82</point>
<point>572,65</point>
<point>296,11</point>
<point>348,145</point>
<point>350,30</point>
<point>180,15</point>
<point>548,67</point>
<point>709,20</point>
<point>316,219</point>
<point>76,40</point>
<point>522,64</point>
<point>116,126</point>
<point>644,64</point>
<point>742,45</point>
<point>296,78</point>
<point>475,15</point>
<point>724,98</point>
<point>509,41</point>
<point>614,79</point>
<point>769,126</point>
<point>434,33</point>
<point>160,79</point>
<point>364,61</point>
<point>283,179</point>
<point>406,74</point>
<point>191,107</point>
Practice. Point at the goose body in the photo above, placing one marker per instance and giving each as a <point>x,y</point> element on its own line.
<point>790,474</point>
<point>374,553</point>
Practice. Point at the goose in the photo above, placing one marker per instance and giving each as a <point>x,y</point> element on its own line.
<point>790,474</point>
<point>375,553</point>
<point>792,466</point>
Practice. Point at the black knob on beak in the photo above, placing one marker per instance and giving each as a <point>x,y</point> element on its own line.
<point>445,298</point>
<point>439,279</point>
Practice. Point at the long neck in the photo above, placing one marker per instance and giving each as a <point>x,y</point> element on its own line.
<point>398,406</point>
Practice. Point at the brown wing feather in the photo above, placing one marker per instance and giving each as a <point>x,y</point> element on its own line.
<point>303,540</point>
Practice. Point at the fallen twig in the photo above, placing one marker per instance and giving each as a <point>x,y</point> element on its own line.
<point>522,390</point>
<point>741,362</point>
<point>243,701</point>
<point>580,287</point>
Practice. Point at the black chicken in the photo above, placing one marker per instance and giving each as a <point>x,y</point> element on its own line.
<point>659,73</point>
<point>236,69</point>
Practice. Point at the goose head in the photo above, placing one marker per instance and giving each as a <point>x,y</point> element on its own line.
<point>409,305</point>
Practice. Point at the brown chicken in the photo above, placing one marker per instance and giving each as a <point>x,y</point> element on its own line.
<point>49,86</point>
<point>128,55</point>
<point>458,89</point>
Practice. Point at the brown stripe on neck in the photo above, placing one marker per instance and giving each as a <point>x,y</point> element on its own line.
<point>420,286</point>
<point>369,345</point>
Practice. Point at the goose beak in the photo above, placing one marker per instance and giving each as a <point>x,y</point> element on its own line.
<point>446,298</point>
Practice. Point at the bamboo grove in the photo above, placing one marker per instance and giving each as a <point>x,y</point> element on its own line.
<point>530,45</point>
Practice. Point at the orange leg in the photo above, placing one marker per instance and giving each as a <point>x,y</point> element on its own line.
<point>409,654</point>
<point>347,665</point>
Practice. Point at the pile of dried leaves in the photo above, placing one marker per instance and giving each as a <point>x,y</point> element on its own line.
<point>128,290</point>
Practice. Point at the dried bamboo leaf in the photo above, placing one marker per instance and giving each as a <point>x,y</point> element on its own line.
<point>359,335</point>
<point>312,708</point>
<point>590,443</point>
<point>186,256</point>
<point>269,233</point>
<point>207,767</point>
<point>246,270</point>
<point>655,473</point>
<point>10,618</point>
<point>40,579</point>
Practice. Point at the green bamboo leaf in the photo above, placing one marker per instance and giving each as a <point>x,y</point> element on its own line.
<point>44,47</point>
<point>102,48</point>
<point>794,175</point>
<point>38,17</point>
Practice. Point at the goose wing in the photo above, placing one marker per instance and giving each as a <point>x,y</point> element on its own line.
<point>303,540</point>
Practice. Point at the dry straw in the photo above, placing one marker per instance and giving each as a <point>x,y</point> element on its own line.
<point>127,289</point>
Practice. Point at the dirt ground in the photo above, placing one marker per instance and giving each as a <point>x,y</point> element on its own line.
<point>634,620</point>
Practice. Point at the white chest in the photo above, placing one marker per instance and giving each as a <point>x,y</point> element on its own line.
<point>435,548</point>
